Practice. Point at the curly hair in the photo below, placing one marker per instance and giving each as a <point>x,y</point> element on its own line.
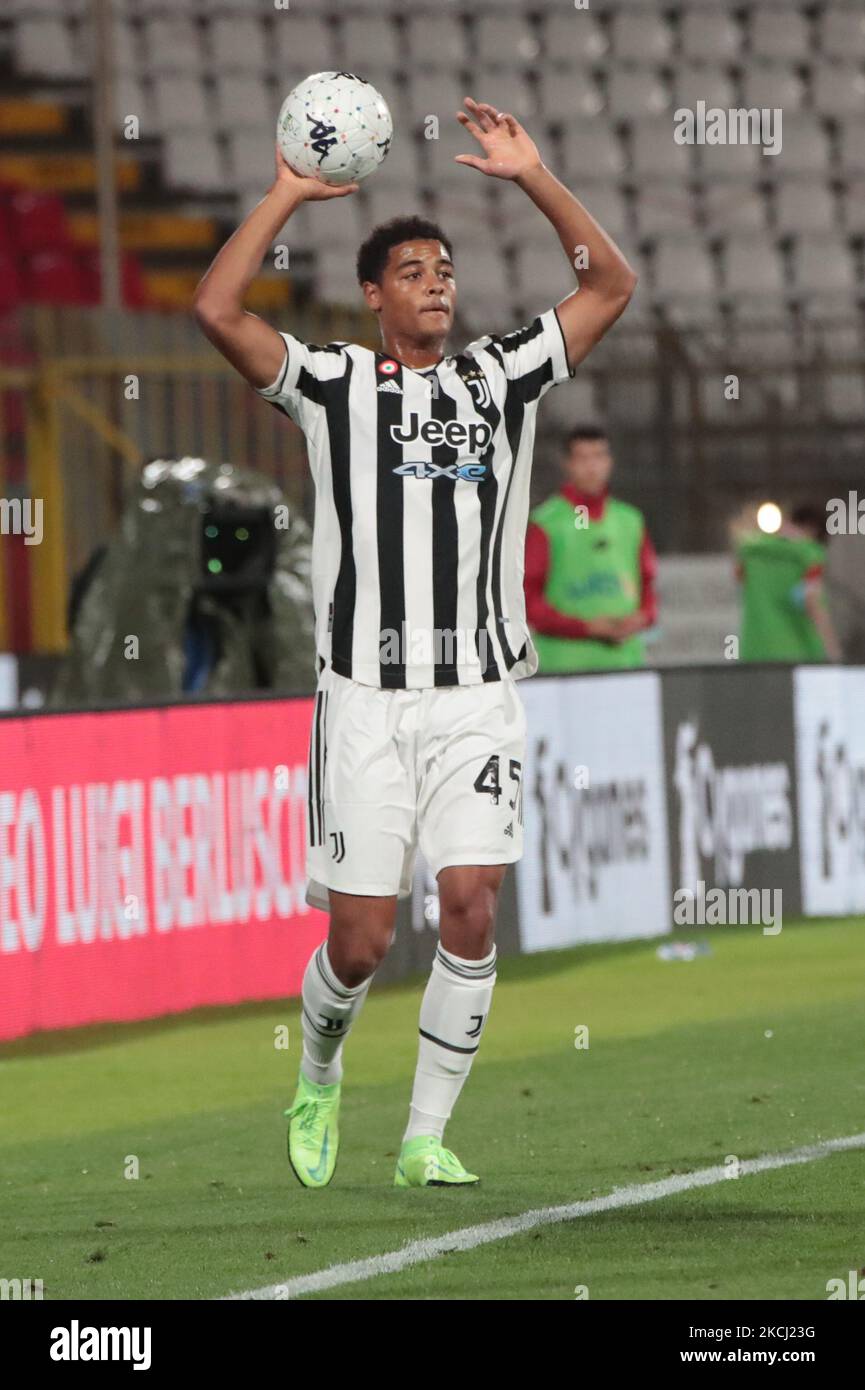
<point>373,254</point>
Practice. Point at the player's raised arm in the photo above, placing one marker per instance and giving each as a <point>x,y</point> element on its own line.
<point>607,281</point>
<point>250,344</point>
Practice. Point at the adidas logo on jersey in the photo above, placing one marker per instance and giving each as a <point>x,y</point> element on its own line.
<point>390,385</point>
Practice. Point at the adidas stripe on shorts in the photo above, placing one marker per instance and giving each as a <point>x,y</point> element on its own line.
<point>439,768</point>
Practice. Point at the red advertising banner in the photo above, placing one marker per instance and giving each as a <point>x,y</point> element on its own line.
<point>152,861</point>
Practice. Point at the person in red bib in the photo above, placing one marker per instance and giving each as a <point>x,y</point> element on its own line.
<point>590,568</point>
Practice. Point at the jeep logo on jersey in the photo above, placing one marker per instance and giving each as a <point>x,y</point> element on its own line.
<point>453,433</point>
<point>470,470</point>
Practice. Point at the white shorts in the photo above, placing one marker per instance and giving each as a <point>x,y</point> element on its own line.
<point>394,770</point>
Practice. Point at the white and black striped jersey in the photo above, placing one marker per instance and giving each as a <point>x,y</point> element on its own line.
<point>422,501</point>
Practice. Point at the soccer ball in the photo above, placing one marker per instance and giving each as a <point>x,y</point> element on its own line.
<point>335,127</point>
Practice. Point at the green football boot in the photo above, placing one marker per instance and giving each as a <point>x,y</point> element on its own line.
<point>424,1162</point>
<point>313,1132</point>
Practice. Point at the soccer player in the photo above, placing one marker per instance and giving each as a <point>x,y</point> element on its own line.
<point>590,568</point>
<point>421,461</point>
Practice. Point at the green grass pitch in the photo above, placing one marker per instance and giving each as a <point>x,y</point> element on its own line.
<point>756,1048</point>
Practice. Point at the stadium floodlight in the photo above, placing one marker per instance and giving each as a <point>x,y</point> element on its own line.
<point>769,517</point>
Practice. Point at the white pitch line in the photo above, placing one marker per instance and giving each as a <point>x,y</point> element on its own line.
<point>469,1237</point>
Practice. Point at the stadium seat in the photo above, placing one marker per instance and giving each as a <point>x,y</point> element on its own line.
<point>712,85</point>
<point>838,89</point>
<point>822,265</point>
<point>633,338</point>
<point>684,276</point>
<point>243,101</point>
<point>634,405</point>
<point>229,7</point>
<point>519,220</point>
<point>192,160</point>
<point>851,146</point>
<point>754,342</point>
<point>841,342</point>
<point>180,103</point>
<point>509,91</point>
<point>635,93</point>
<point>381,204</point>
<point>43,47</point>
<point>358,7</point>
<point>132,287</point>
<point>654,152</point>
<point>853,205</point>
<point>250,161</point>
<point>436,41</point>
<point>805,148</point>
<point>542,276</point>
<point>343,223</point>
<point>576,401</point>
<point>844,395</point>
<point>14,9</point>
<point>8,236</point>
<point>709,38</point>
<point>131,98</point>
<point>460,223</point>
<point>640,38</point>
<point>486,275</point>
<point>734,207</point>
<point>574,38</point>
<point>438,157</point>
<point>145,8</point>
<point>405,156</point>
<point>12,288</point>
<point>432,94</point>
<point>607,205</point>
<point>664,210</point>
<point>369,39</point>
<point>303,230</point>
<point>335,277</point>
<point>237,42</point>
<point>759,391</point>
<point>778,35</point>
<point>36,222</point>
<point>56,277</point>
<point>772,86</point>
<point>741,163</point>
<point>753,274</point>
<point>126,46</point>
<point>841,30</point>
<point>518,6</point>
<point>302,41</point>
<point>506,41</point>
<point>804,206</point>
<point>569,92</point>
<point>592,151</point>
<point>172,44</point>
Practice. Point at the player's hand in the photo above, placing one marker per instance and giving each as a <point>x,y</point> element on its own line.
<point>309,189</point>
<point>509,150</point>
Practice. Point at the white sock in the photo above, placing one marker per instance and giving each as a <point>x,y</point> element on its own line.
<point>453,1013</point>
<point>329,1010</point>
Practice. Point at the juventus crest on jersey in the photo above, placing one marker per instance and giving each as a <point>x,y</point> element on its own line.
<point>422,501</point>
